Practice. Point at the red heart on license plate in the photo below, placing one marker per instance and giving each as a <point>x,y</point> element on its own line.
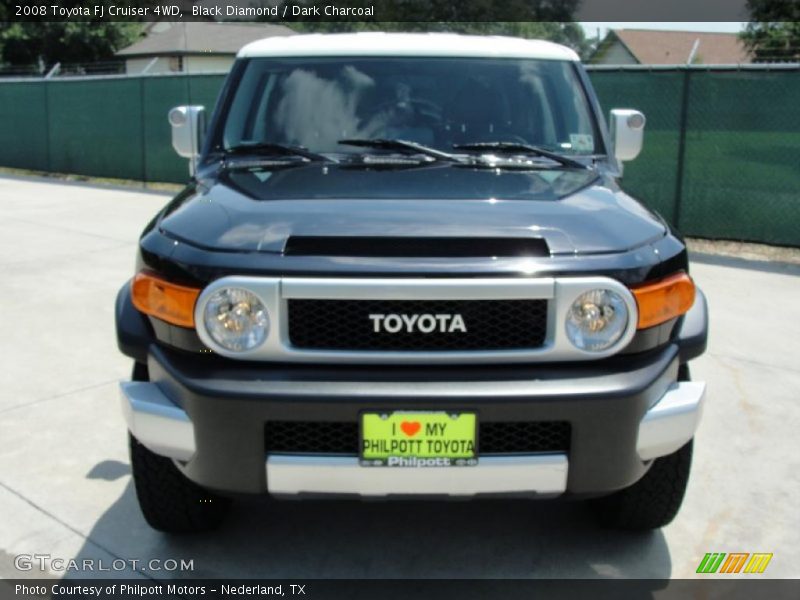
<point>410,428</point>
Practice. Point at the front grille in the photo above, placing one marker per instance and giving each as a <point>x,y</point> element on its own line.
<point>315,437</point>
<point>318,437</point>
<point>346,325</point>
<point>523,437</point>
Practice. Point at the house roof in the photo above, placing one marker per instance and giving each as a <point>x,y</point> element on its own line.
<point>652,47</point>
<point>171,39</point>
<point>374,43</point>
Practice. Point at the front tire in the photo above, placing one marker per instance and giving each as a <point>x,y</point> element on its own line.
<point>169,501</point>
<point>654,500</point>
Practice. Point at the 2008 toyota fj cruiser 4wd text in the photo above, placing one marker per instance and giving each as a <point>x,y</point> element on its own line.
<point>403,267</point>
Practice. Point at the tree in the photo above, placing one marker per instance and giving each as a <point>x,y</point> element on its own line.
<point>69,41</point>
<point>773,34</point>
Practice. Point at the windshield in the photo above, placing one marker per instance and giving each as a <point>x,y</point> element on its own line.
<point>438,102</point>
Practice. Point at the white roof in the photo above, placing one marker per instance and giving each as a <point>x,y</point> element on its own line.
<point>407,44</point>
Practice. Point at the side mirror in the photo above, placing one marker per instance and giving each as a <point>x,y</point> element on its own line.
<point>627,133</point>
<point>188,128</point>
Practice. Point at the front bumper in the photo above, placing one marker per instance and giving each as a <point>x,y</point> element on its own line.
<point>210,417</point>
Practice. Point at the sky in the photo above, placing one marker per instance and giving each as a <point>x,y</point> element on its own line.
<point>729,27</point>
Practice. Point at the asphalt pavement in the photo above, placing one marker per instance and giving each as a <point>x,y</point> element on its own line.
<point>65,483</point>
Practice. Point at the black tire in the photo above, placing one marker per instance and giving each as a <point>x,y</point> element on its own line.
<point>654,500</point>
<point>140,372</point>
<point>169,501</point>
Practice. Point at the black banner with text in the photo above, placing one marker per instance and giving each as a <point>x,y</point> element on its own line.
<point>394,11</point>
<point>396,589</point>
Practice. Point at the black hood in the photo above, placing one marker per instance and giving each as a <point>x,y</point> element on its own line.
<point>573,211</point>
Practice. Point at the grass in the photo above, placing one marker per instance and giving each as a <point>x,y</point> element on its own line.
<point>108,181</point>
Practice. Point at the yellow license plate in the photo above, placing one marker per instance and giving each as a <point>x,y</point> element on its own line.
<point>418,439</point>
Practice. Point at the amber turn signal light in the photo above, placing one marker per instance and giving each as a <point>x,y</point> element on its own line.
<point>164,300</point>
<point>662,300</point>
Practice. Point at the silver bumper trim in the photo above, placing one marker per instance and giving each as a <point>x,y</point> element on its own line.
<point>158,423</point>
<point>165,429</point>
<point>672,421</point>
<point>541,474</point>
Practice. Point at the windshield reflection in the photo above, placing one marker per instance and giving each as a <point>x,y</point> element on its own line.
<point>435,102</point>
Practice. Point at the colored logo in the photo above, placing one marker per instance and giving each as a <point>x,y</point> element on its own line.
<point>735,562</point>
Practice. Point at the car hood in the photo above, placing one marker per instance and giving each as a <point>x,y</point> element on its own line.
<point>573,211</point>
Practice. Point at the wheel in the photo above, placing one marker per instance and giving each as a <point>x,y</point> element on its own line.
<point>169,501</point>
<point>654,500</point>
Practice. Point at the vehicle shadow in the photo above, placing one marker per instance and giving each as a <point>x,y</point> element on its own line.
<point>265,538</point>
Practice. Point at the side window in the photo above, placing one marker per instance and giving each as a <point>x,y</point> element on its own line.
<point>240,108</point>
<point>576,131</point>
<point>541,111</point>
<point>255,129</point>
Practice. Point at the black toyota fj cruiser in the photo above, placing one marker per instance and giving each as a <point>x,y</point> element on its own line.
<point>403,267</point>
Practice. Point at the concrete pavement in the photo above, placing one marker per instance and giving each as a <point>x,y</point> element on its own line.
<point>65,486</point>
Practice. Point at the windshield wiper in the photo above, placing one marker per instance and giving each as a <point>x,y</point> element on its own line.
<point>519,148</point>
<point>272,149</point>
<point>401,146</point>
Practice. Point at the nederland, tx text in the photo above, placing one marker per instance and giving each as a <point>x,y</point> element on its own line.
<point>102,591</point>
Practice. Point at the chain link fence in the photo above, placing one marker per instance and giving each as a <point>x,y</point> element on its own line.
<point>113,67</point>
<point>721,157</point>
<point>112,127</point>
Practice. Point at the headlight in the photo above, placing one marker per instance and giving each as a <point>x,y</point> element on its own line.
<point>236,319</point>
<point>596,320</point>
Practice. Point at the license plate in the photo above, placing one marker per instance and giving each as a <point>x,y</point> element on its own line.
<point>418,439</point>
